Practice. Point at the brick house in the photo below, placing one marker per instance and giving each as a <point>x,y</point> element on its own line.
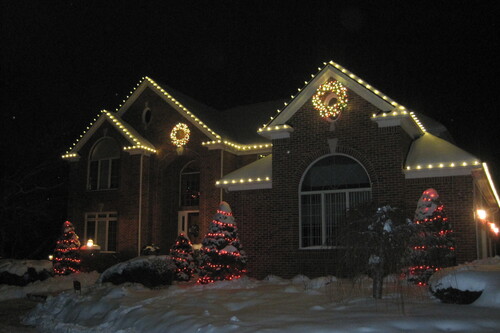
<point>162,162</point>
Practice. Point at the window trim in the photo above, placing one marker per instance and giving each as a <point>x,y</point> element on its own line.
<point>322,196</point>
<point>97,219</point>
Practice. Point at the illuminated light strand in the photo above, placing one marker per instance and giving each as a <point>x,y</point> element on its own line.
<point>242,181</point>
<point>182,107</point>
<point>490,181</point>
<point>325,93</point>
<point>122,128</point>
<point>237,146</point>
<point>443,165</point>
<point>354,78</point>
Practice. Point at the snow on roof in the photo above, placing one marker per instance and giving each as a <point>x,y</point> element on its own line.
<point>438,157</point>
<point>138,143</point>
<point>256,175</point>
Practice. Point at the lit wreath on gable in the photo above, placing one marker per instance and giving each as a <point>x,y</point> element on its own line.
<point>180,135</point>
<point>330,99</point>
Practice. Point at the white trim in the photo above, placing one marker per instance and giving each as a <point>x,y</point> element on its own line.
<point>404,120</point>
<point>249,186</point>
<point>438,172</point>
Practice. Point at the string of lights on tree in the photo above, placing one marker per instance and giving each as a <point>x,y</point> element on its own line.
<point>182,256</point>
<point>222,255</point>
<point>66,258</point>
<point>433,247</point>
<point>330,99</point>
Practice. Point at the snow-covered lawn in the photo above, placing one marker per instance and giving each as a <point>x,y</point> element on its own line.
<point>273,305</point>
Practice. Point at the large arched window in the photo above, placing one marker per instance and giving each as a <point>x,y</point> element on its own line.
<point>104,165</point>
<point>330,186</point>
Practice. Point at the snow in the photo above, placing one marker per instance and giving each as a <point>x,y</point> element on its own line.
<point>52,285</point>
<point>19,267</point>
<point>325,304</point>
<point>481,275</point>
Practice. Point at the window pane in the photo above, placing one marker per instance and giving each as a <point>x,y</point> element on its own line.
<point>335,216</point>
<point>101,234</point>
<point>111,236</point>
<point>105,149</point>
<point>115,173</point>
<point>103,174</point>
<point>93,172</point>
<point>190,189</point>
<point>90,230</point>
<point>311,220</point>
<point>333,173</point>
<point>356,198</point>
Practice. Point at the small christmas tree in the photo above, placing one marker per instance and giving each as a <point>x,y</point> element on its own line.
<point>66,256</point>
<point>182,256</point>
<point>222,255</point>
<point>433,246</point>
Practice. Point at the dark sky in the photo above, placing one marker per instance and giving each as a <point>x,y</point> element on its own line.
<point>63,61</point>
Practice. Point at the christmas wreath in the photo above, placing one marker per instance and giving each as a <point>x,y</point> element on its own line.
<point>180,134</point>
<point>330,99</point>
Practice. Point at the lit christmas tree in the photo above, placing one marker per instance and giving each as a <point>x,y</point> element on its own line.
<point>66,256</point>
<point>222,255</point>
<point>433,246</point>
<point>182,256</point>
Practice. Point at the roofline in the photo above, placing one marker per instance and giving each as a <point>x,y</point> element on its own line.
<point>162,93</point>
<point>138,143</point>
<point>350,80</point>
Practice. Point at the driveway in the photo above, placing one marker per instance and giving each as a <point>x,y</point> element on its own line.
<point>11,312</point>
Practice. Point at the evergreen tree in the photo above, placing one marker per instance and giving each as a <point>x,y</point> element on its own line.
<point>222,254</point>
<point>182,256</point>
<point>432,247</point>
<point>66,256</point>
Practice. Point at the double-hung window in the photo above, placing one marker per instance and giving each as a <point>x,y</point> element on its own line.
<point>101,228</point>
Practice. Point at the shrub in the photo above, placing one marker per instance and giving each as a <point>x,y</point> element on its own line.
<point>149,271</point>
<point>456,296</point>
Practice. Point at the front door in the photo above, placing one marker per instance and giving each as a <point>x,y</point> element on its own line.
<point>189,225</point>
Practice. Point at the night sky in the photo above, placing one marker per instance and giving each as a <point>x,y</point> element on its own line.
<point>63,61</point>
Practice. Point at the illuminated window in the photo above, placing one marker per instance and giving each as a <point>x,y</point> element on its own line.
<point>190,185</point>
<point>330,186</point>
<point>104,165</point>
<point>101,228</point>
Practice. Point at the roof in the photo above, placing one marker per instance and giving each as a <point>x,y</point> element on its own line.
<point>256,175</point>
<point>431,156</point>
<point>137,142</point>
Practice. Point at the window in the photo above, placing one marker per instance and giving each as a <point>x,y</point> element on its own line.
<point>330,186</point>
<point>101,228</point>
<point>190,185</point>
<point>104,165</point>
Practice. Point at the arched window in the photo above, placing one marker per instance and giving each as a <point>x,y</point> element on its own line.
<point>190,185</point>
<point>104,165</point>
<point>330,186</point>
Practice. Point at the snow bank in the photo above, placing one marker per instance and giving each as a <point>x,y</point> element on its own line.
<point>480,275</point>
<point>50,286</point>
<point>248,305</point>
<point>19,267</point>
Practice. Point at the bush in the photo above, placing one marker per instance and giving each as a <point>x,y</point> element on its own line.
<point>456,296</point>
<point>30,276</point>
<point>149,271</point>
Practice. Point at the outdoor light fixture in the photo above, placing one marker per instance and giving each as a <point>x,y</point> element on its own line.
<point>481,213</point>
<point>51,257</point>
